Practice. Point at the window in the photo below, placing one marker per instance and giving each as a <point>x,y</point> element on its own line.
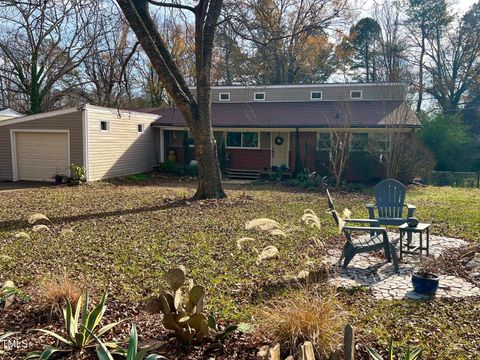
<point>242,139</point>
<point>104,126</point>
<point>140,128</point>
<point>316,95</point>
<point>259,96</point>
<point>323,141</point>
<point>359,141</point>
<point>224,96</point>
<point>355,94</point>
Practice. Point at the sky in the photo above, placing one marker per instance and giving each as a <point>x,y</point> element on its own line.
<point>460,6</point>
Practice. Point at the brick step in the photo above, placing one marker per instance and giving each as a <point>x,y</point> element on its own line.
<point>243,174</point>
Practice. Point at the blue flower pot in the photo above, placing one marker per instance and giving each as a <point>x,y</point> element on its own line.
<point>425,283</point>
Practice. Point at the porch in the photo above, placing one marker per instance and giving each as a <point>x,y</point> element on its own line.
<point>250,153</point>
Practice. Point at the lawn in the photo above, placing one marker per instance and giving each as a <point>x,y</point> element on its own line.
<point>124,236</point>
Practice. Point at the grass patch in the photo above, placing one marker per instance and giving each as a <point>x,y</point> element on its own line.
<point>123,237</point>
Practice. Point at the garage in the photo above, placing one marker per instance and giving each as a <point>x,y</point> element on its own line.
<point>40,155</point>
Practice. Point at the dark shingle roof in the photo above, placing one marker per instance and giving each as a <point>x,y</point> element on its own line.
<point>300,114</point>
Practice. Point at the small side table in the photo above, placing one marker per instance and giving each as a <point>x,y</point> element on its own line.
<point>420,229</point>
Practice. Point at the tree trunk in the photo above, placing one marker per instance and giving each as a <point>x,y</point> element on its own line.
<point>420,76</point>
<point>196,112</point>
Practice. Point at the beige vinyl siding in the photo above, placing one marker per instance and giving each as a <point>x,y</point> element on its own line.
<point>121,150</point>
<point>71,122</point>
<point>330,92</point>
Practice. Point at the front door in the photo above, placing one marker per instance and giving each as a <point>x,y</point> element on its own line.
<point>280,147</point>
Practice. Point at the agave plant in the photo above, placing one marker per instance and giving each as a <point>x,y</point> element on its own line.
<point>79,327</point>
<point>411,354</point>
<point>132,352</point>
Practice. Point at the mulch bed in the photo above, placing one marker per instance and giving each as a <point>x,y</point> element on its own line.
<point>23,317</point>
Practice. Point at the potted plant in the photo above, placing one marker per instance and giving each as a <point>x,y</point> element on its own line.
<point>425,279</point>
<point>58,178</point>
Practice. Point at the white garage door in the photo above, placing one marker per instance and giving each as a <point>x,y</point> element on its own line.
<point>41,155</point>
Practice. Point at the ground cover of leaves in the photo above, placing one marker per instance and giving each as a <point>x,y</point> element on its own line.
<point>125,235</point>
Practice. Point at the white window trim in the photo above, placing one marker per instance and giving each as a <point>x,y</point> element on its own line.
<point>143,128</point>
<point>241,140</point>
<point>316,99</point>
<point>223,93</point>
<point>258,93</point>
<point>108,126</point>
<point>356,98</point>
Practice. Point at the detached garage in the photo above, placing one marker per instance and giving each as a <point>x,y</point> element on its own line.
<point>107,142</point>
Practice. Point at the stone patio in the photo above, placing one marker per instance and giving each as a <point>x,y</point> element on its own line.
<point>373,271</point>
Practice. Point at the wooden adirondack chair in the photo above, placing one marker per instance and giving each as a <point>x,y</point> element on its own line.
<point>377,239</point>
<point>389,202</point>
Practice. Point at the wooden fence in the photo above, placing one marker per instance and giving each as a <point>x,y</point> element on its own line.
<point>457,179</point>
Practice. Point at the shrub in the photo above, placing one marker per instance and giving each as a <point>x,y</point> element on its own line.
<point>451,142</point>
<point>306,179</point>
<point>78,172</point>
<point>303,316</point>
<point>171,167</point>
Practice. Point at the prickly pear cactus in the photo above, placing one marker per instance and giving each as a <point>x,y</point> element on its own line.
<point>185,318</point>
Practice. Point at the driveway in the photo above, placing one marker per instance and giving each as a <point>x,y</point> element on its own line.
<point>21,185</point>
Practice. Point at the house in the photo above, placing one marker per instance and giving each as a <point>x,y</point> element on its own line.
<point>107,142</point>
<point>261,125</point>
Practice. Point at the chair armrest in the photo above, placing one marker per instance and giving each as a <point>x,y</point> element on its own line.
<point>365,228</point>
<point>362,221</point>
<point>369,222</point>
<point>411,209</point>
<point>371,210</point>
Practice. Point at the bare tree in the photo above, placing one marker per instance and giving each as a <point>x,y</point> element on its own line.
<point>424,19</point>
<point>393,58</point>
<point>179,38</point>
<point>455,64</point>
<point>109,67</point>
<point>195,109</point>
<point>398,148</point>
<point>42,44</point>
<point>281,32</point>
<point>340,142</point>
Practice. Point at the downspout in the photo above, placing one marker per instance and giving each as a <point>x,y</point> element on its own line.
<point>86,163</point>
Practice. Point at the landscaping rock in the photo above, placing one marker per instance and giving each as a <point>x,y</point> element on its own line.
<point>474,263</point>
<point>262,354</point>
<point>11,298</point>
<point>306,351</point>
<point>274,353</point>
<point>269,252</point>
